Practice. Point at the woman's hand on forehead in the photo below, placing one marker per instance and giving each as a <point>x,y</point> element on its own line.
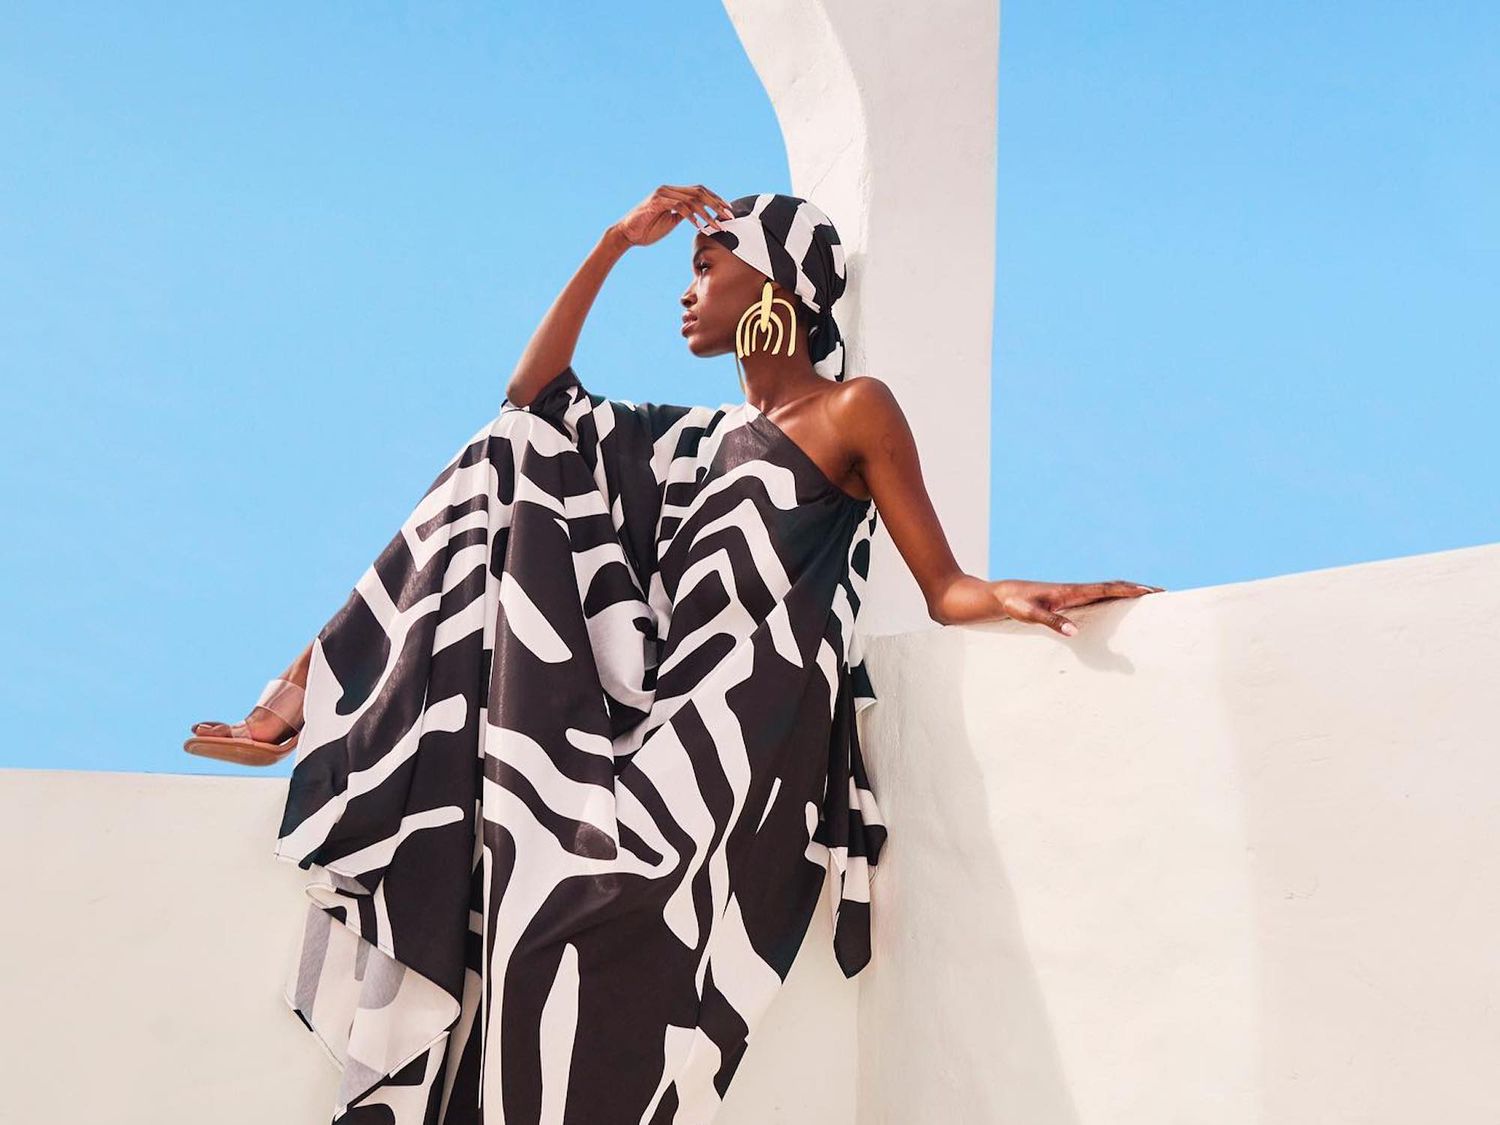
<point>667,206</point>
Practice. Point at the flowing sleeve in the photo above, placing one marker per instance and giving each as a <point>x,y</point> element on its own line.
<point>643,456</point>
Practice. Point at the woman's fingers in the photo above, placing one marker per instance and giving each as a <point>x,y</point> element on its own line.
<point>1117,588</point>
<point>711,202</point>
<point>715,200</point>
<point>1058,622</point>
<point>1040,605</point>
<point>720,203</point>
<point>680,209</point>
<point>710,199</point>
<point>1035,613</point>
<point>693,202</point>
<point>1082,593</point>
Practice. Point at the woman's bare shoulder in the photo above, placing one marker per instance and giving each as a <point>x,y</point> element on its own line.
<point>863,398</point>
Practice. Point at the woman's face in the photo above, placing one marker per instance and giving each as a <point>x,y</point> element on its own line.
<point>723,287</point>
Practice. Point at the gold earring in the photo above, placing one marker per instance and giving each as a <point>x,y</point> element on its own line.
<point>761,324</point>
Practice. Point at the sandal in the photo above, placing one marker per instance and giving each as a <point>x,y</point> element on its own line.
<point>282,698</point>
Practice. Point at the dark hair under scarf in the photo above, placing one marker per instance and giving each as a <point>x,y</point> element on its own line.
<point>793,243</point>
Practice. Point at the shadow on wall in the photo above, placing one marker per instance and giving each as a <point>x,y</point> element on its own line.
<point>945,860</point>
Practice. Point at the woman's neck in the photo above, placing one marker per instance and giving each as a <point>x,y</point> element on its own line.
<point>772,381</point>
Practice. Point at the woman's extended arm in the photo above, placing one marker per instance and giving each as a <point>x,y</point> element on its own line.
<point>885,455</point>
<point>552,344</point>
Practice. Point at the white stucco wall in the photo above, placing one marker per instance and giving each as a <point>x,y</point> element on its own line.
<point>1228,855</point>
<point>146,935</point>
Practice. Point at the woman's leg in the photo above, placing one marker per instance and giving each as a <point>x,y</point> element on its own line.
<point>263,725</point>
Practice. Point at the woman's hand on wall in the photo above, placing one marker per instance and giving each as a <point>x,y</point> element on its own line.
<point>969,600</point>
<point>1042,602</point>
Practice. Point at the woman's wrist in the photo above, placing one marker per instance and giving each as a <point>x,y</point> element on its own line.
<point>614,240</point>
<point>968,599</point>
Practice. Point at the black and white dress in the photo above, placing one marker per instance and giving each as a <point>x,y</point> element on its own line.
<point>579,749</point>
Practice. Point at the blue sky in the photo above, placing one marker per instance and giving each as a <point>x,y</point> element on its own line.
<point>264,270</point>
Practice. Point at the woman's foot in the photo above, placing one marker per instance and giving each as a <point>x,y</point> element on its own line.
<point>261,724</point>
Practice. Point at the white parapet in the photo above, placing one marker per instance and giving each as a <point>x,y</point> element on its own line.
<point>147,932</point>
<point>1229,855</point>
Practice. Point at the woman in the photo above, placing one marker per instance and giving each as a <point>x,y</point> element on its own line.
<point>580,749</point>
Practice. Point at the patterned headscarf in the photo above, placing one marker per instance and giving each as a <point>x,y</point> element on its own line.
<point>793,243</point>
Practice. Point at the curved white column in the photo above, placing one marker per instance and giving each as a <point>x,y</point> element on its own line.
<point>889,116</point>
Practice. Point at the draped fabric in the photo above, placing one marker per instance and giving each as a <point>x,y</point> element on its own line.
<point>580,751</point>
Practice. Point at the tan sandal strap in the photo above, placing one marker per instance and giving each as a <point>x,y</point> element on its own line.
<point>284,699</point>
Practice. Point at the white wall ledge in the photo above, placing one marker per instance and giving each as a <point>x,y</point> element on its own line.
<point>1227,855</point>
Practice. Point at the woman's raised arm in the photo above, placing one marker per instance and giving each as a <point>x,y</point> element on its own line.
<point>552,344</point>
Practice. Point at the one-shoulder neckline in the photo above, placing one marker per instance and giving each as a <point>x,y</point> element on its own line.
<point>755,413</point>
